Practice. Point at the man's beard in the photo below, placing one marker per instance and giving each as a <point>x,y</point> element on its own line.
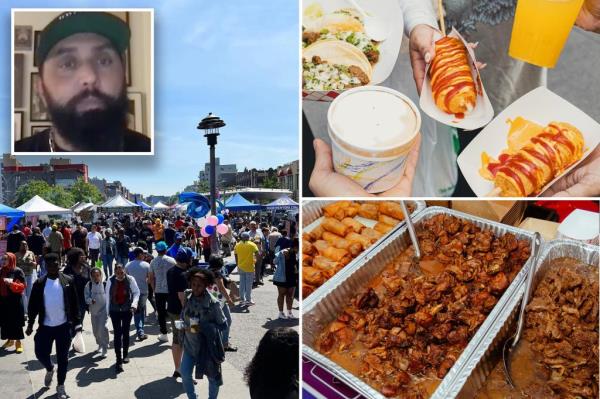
<point>93,130</point>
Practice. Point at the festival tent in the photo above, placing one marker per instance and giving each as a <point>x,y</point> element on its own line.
<point>239,203</point>
<point>144,206</point>
<point>38,206</point>
<point>118,203</point>
<point>283,203</point>
<point>13,215</point>
<point>159,206</point>
<point>82,206</point>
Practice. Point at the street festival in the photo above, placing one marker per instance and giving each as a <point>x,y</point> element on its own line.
<point>116,258</point>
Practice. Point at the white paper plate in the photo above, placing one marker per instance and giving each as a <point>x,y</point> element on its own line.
<point>539,105</point>
<point>478,117</point>
<point>390,13</point>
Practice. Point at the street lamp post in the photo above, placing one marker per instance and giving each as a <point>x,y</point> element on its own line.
<point>211,125</point>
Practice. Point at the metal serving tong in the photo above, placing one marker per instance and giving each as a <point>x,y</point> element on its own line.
<point>511,343</point>
<point>411,232</point>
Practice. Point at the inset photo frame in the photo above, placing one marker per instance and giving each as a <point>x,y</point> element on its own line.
<point>128,133</point>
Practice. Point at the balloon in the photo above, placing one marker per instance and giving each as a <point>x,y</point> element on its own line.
<point>222,229</point>
<point>220,218</point>
<point>210,230</point>
<point>203,233</point>
<point>212,220</point>
<point>201,222</point>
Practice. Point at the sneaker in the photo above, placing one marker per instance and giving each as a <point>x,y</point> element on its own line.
<point>163,338</point>
<point>126,359</point>
<point>250,303</point>
<point>291,316</point>
<point>176,374</point>
<point>99,349</point>
<point>142,337</point>
<point>119,368</point>
<point>282,316</point>
<point>48,378</point>
<point>60,392</point>
<point>104,353</point>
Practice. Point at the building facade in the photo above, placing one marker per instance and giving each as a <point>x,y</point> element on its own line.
<point>225,174</point>
<point>59,172</point>
<point>110,189</point>
<point>288,176</point>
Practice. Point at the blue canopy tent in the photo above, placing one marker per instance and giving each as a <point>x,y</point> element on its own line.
<point>239,203</point>
<point>284,203</point>
<point>144,206</point>
<point>12,214</point>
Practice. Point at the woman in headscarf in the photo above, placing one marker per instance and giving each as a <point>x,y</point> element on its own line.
<point>12,313</point>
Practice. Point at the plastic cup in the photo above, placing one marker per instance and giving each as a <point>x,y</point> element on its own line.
<point>372,130</point>
<point>541,29</point>
<point>179,324</point>
<point>194,327</point>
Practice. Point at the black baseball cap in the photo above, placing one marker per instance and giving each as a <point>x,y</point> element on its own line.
<point>69,23</point>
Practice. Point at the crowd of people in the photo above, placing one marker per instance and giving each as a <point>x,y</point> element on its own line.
<point>55,273</point>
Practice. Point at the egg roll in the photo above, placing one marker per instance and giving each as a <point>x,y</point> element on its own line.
<point>368,210</point>
<point>392,209</point>
<point>354,224</point>
<point>371,234</point>
<point>340,242</point>
<point>365,242</point>
<point>335,226</point>
<point>335,254</point>
<point>388,220</point>
<point>383,228</point>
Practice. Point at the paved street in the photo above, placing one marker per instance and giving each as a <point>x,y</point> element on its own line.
<point>148,375</point>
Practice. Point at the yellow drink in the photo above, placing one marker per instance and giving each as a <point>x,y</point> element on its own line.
<point>541,29</point>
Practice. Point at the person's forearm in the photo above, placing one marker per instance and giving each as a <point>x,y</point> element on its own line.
<point>416,12</point>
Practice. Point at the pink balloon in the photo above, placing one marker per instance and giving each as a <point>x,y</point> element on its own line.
<point>212,220</point>
<point>222,229</point>
<point>203,233</point>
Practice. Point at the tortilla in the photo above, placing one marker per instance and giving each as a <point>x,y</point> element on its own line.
<point>339,53</point>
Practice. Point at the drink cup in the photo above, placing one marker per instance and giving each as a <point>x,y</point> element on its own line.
<point>179,324</point>
<point>541,29</point>
<point>194,325</point>
<point>372,130</point>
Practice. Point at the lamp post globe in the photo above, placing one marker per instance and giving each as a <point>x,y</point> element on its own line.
<point>211,125</point>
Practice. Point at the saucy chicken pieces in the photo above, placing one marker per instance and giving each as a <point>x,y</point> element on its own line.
<point>413,321</point>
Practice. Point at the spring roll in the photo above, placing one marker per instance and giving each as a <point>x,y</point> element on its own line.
<point>312,276</point>
<point>316,233</point>
<point>340,242</point>
<point>357,238</point>
<point>307,248</point>
<point>388,220</point>
<point>328,267</point>
<point>336,254</point>
<point>383,228</point>
<point>335,226</point>
<point>354,224</point>
<point>368,210</point>
<point>352,210</point>
<point>392,209</point>
<point>307,237</point>
<point>336,210</point>
<point>371,234</point>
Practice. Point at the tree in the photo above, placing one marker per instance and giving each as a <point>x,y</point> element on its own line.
<point>86,192</point>
<point>30,189</point>
<point>60,196</point>
<point>270,182</point>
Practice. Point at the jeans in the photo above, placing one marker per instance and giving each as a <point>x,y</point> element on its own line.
<point>29,280</point>
<point>123,259</point>
<point>139,316</point>
<point>246,280</point>
<point>225,334</point>
<point>107,261</point>
<point>161,309</point>
<point>43,340</point>
<point>94,253</point>
<point>187,366</point>
<point>121,322</point>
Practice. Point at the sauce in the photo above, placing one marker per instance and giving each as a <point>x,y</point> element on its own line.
<point>431,266</point>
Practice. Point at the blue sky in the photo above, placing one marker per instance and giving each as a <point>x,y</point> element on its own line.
<point>236,58</point>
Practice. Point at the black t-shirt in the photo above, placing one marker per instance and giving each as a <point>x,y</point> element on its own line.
<point>123,246</point>
<point>40,142</point>
<point>36,243</point>
<point>78,237</point>
<point>176,282</point>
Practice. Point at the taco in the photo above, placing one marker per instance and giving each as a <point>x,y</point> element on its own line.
<point>334,65</point>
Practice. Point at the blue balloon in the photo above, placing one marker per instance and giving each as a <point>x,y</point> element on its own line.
<point>220,218</point>
<point>198,206</point>
<point>209,229</point>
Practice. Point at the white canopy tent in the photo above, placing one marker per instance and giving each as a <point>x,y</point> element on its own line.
<point>118,203</point>
<point>160,206</point>
<point>37,206</point>
<point>82,206</point>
